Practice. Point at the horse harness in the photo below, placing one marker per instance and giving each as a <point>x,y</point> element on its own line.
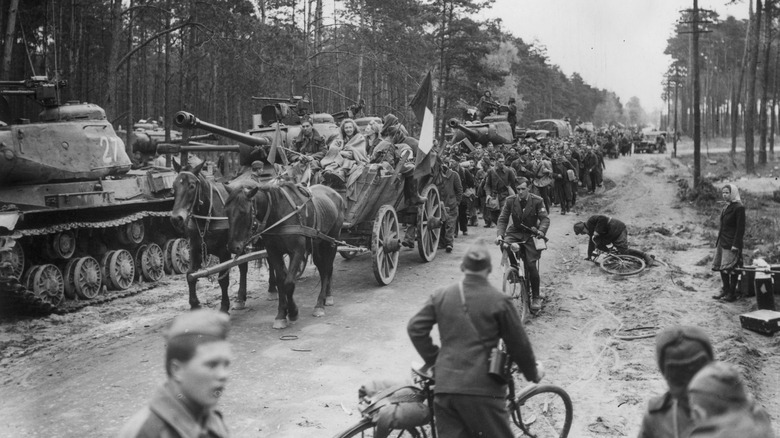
<point>259,227</point>
<point>220,221</point>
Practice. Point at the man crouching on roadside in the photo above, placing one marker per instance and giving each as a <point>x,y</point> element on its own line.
<point>197,359</point>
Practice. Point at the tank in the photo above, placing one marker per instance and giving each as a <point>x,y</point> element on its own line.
<point>288,113</point>
<point>77,225</point>
<point>492,129</point>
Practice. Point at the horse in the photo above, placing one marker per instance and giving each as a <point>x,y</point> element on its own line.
<point>291,220</point>
<point>199,213</point>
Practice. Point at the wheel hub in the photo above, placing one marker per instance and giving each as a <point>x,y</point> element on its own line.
<point>391,245</point>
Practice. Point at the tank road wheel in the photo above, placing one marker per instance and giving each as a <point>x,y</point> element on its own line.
<point>27,281</point>
<point>385,245</point>
<point>47,283</point>
<point>180,256</point>
<point>121,269</point>
<point>429,220</point>
<point>17,260</point>
<point>104,261</point>
<point>68,274</point>
<point>61,245</point>
<point>131,234</point>
<point>167,249</point>
<point>87,278</point>
<point>151,263</point>
<point>137,255</point>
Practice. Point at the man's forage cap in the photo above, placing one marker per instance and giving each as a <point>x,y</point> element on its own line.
<point>257,165</point>
<point>204,322</point>
<point>681,345</point>
<point>719,380</point>
<point>477,257</point>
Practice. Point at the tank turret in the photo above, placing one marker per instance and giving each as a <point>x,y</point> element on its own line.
<point>481,132</point>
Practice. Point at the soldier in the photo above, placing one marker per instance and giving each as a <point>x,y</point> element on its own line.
<point>605,231</point>
<point>511,117</point>
<point>197,359</point>
<point>722,407</point>
<point>681,351</point>
<point>499,184</point>
<point>310,145</point>
<point>451,192</point>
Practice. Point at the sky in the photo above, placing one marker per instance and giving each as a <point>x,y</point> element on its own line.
<point>613,44</point>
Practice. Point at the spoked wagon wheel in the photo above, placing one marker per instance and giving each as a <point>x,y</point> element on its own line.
<point>429,223</point>
<point>87,278</point>
<point>622,264</point>
<point>385,245</point>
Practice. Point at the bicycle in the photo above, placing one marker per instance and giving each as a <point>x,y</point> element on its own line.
<point>516,281</point>
<point>538,411</point>
<point>615,263</point>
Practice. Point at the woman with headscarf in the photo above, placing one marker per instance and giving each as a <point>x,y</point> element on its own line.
<point>728,247</point>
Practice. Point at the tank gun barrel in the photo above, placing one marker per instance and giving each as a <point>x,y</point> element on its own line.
<point>471,134</point>
<point>171,148</point>
<point>184,119</point>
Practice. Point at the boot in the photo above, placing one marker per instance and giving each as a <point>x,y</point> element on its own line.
<point>410,192</point>
<point>536,302</point>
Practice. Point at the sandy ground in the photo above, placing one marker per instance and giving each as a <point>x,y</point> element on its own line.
<point>85,373</point>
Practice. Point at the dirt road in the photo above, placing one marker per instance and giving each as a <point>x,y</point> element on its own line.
<point>83,374</point>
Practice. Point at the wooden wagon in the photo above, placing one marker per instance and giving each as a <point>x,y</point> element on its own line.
<point>375,210</point>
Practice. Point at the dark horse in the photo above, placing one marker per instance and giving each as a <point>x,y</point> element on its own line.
<point>199,211</point>
<point>290,221</point>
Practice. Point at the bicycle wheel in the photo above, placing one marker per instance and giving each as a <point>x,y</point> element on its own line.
<point>622,264</point>
<point>367,429</point>
<point>543,411</point>
<point>515,288</point>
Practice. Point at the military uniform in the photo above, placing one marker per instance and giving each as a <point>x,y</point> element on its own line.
<point>167,416</point>
<point>468,401</point>
<point>751,423</point>
<point>312,145</point>
<point>664,415</point>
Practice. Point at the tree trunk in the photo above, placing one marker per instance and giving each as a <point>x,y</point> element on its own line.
<point>10,37</point>
<point>112,78</point>
<point>774,103</point>
<point>129,84</point>
<point>763,122</point>
<point>439,109</point>
<point>750,101</point>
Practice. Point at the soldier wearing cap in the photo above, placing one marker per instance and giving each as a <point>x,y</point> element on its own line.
<point>681,351</point>
<point>722,407</point>
<point>197,359</point>
<point>469,401</point>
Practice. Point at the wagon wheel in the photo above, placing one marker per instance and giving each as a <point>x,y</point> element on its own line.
<point>385,245</point>
<point>69,273</point>
<point>151,263</point>
<point>429,219</point>
<point>47,283</point>
<point>17,260</point>
<point>104,261</point>
<point>87,278</point>
<point>121,269</point>
<point>167,256</point>
<point>180,256</point>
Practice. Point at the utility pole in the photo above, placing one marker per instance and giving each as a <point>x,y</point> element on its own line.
<point>676,86</point>
<point>695,31</point>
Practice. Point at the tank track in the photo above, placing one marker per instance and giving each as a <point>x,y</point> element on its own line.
<point>18,300</point>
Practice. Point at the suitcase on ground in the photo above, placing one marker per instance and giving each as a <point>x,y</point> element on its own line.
<point>766,322</point>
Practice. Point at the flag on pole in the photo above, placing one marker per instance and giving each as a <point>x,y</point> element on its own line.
<point>275,145</point>
<point>422,105</point>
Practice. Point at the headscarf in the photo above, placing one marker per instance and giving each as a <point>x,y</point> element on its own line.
<point>734,193</point>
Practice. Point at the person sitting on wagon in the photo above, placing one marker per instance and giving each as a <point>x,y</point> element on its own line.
<point>345,155</point>
<point>394,145</point>
<point>309,145</point>
<point>607,233</point>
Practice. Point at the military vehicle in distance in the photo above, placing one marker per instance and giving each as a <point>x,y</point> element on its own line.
<point>75,220</point>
